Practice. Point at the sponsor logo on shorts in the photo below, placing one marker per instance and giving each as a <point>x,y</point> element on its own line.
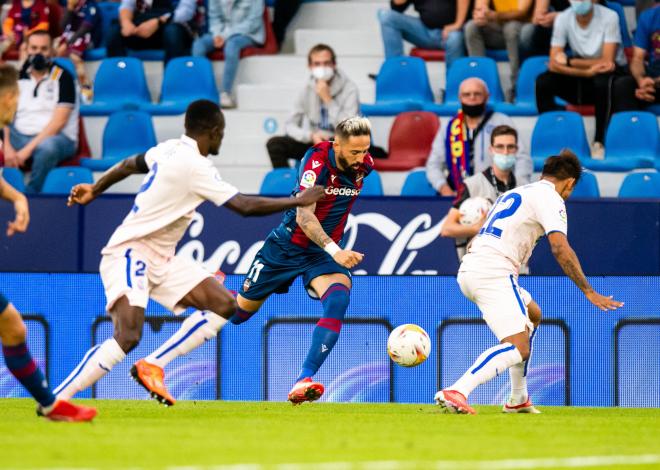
<point>308,179</point>
<point>342,191</point>
<point>246,285</point>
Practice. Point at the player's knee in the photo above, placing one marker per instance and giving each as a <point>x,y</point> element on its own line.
<point>335,301</point>
<point>14,334</point>
<point>128,339</point>
<point>225,306</point>
<point>523,349</point>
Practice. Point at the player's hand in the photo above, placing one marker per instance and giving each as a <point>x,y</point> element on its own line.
<point>22,219</point>
<point>81,194</point>
<point>310,196</point>
<point>603,302</point>
<point>348,258</point>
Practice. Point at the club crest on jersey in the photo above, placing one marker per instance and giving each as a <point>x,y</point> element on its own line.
<point>308,179</point>
<point>562,215</point>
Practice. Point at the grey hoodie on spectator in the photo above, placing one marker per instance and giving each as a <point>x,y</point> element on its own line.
<point>436,165</point>
<point>306,116</point>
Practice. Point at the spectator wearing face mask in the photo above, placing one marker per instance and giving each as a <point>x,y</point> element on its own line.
<point>489,184</point>
<point>45,129</point>
<point>460,148</point>
<point>328,98</point>
<point>586,74</point>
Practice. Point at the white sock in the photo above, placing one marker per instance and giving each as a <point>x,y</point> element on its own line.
<point>97,362</point>
<point>195,330</point>
<point>518,374</point>
<point>491,363</point>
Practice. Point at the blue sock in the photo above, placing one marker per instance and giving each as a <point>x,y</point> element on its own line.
<point>335,303</point>
<point>20,364</point>
<point>240,316</point>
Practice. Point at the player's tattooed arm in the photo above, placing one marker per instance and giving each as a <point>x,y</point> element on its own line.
<point>86,193</point>
<point>310,224</point>
<point>570,264</point>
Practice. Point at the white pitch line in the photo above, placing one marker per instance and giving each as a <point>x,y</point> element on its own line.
<point>509,464</point>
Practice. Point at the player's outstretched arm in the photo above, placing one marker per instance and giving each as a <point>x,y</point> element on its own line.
<point>452,228</point>
<point>310,224</point>
<point>22,219</point>
<point>85,193</point>
<point>570,264</point>
<point>257,205</point>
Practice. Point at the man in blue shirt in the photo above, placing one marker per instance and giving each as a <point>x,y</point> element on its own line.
<point>642,88</point>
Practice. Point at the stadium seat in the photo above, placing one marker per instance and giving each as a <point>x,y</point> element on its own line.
<point>83,150</point>
<point>587,187</point>
<point>556,130</point>
<point>640,185</point>
<point>402,85</point>
<point>279,182</point>
<point>126,133</point>
<point>632,141</point>
<point>466,67</point>
<point>14,177</point>
<point>269,47</point>
<point>176,92</point>
<point>119,84</point>
<point>373,186</point>
<point>109,12</point>
<point>411,138</point>
<point>626,41</point>
<point>498,55</point>
<point>654,108</point>
<point>429,55</point>
<point>416,185</point>
<point>525,103</point>
<point>60,180</point>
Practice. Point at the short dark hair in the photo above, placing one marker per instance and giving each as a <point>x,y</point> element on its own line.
<point>39,32</point>
<point>203,115</point>
<point>503,130</point>
<point>321,48</point>
<point>8,77</point>
<point>563,166</point>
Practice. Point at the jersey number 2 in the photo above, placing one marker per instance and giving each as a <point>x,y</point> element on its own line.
<point>495,215</point>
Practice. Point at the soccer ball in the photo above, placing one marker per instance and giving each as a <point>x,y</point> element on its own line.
<point>473,209</point>
<point>408,345</point>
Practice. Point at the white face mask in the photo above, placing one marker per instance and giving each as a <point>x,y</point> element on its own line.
<point>504,161</point>
<point>323,73</point>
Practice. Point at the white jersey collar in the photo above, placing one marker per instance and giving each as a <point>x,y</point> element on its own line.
<point>192,142</point>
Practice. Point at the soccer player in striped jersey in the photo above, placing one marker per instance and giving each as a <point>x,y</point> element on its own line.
<point>13,333</point>
<point>306,243</point>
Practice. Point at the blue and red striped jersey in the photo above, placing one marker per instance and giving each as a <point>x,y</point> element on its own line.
<point>319,167</point>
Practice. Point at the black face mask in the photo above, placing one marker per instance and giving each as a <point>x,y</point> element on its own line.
<point>39,62</point>
<point>473,110</point>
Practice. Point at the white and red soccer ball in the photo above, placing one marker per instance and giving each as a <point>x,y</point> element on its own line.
<point>408,345</point>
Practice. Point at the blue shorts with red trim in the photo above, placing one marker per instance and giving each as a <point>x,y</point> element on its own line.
<point>3,303</point>
<point>280,262</point>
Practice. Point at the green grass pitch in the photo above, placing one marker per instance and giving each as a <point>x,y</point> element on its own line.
<point>142,434</point>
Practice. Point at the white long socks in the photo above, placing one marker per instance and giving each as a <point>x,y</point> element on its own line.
<point>488,365</point>
<point>195,330</point>
<point>97,362</point>
<point>518,375</point>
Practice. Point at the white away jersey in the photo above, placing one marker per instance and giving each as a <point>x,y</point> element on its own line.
<point>517,220</point>
<point>179,180</point>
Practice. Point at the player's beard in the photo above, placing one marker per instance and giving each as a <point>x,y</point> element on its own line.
<point>347,168</point>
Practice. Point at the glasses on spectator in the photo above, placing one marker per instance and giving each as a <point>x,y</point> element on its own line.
<point>318,63</point>
<point>508,148</point>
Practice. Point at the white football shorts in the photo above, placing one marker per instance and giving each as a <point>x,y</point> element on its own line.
<point>502,302</point>
<point>130,272</point>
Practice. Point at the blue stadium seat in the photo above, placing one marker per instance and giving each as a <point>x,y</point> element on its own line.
<point>632,141</point>
<point>641,185</point>
<point>373,186</point>
<point>402,85</point>
<point>126,133</point>
<point>176,92</point>
<point>623,26</point>
<point>587,187</point>
<point>556,130</point>
<point>119,84</point>
<point>109,12</point>
<point>279,182</point>
<point>654,108</point>
<point>61,180</point>
<point>14,177</point>
<point>154,55</point>
<point>416,185</point>
<point>525,104</point>
<point>466,67</point>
